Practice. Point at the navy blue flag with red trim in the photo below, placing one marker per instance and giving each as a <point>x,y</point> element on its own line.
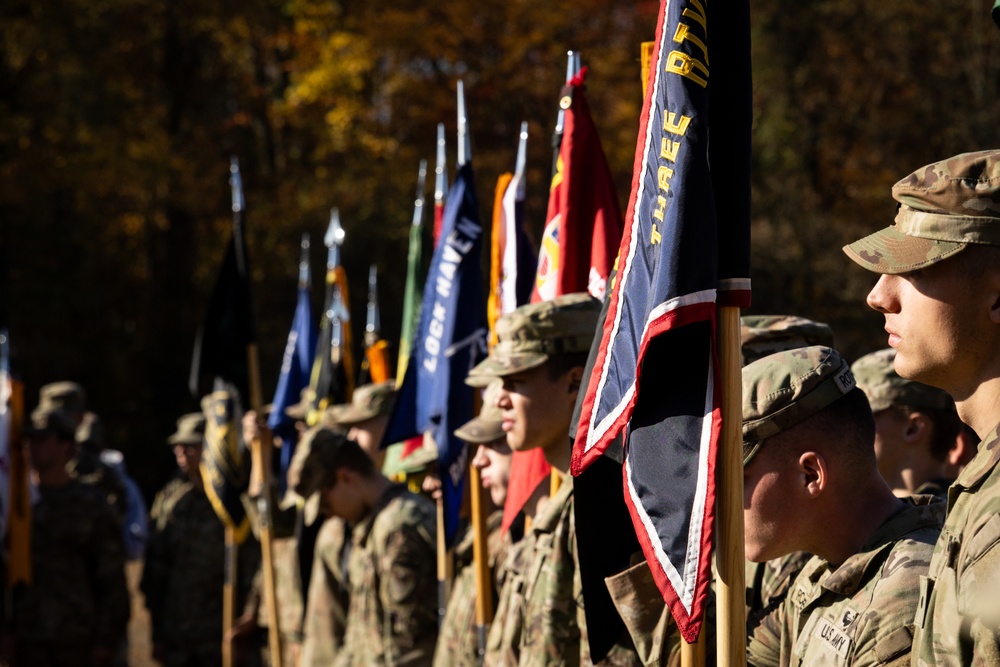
<point>685,251</point>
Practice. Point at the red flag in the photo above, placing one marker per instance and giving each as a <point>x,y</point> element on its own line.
<point>578,248</point>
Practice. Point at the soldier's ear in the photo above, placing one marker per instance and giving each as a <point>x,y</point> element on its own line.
<point>814,473</point>
<point>575,379</point>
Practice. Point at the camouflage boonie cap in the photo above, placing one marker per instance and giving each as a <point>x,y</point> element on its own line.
<point>368,401</point>
<point>90,432</point>
<point>529,336</point>
<point>51,420</point>
<point>943,207</point>
<point>190,430</point>
<point>299,411</point>
<point>315,457</point>
<point>763,335</point>
<point>788,387</point>
<point>66,395</point>
<point>488,426</point>
<point>885,388</point>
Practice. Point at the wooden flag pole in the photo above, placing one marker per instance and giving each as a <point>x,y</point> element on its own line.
<point>444,566</point>
<point>731,587</point>
<point>261,468</point>
<point>228,597</point>
<point>481,561</point>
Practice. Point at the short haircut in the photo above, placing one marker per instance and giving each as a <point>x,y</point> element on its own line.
<point>352,457</point>
<point>847,425</point>
<point>945,427</point>
<point>560,364</point>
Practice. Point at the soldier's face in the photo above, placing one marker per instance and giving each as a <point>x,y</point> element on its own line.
<point>493,462</point>
<point>890,443</point>
<point>188,457</point>
<point>341,497</point>
<point>48,451</point>
<point>368,435</point>
<point>768,494</point>
<point>537,408</point>
<point>938,321</point>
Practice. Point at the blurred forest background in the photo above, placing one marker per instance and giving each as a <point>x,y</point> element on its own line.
<point>118,119</point>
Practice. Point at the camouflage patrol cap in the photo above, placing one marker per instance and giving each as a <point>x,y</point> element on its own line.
<point>301,409</point>
<point>90,432</point>
<point>762,335</point>
<point>190,430</point>
<point>69,396</point>
<point>788,387</point>
<point>943,207</point>
<point>368,401</point>
<point>421,458</point>
<point>51,420</point>
<point>314,459</point>
<point>885,388</point>
<point>532,334</point>
<point>488,426</point>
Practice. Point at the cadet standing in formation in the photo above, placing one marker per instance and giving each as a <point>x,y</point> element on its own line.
<point>76,609</point>
<point>939,291</point>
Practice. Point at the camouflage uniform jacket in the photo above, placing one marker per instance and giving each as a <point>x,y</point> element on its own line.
<point>860,613</point>
<point>458,642</point>
<point>392,568</point>
<point>184,571</point>
<point>540,617</point>
<point>767,583</point>
<point>958,622</point>
<point>328,598</point>
<point>88,467</point>
<point>78,599</point>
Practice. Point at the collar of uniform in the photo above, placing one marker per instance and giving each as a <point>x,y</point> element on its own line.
<point>548,520</point>
<point>985,460</point>
<point>364,527</point>
<point>919,512</point>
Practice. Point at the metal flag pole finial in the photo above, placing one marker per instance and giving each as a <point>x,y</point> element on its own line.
<point>418,203</point>
<point>464,146</point>
<point>373,324</point>
<point>522,149</point>
<point>441,167</point>
<point>305,274</point>
<point>571,61</point>
<point>236,183</point>
<point>333,239</point>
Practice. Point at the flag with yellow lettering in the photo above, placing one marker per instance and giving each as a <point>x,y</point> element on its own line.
<point>684,252</point>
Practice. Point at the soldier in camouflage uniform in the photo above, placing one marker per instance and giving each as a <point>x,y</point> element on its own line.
<point>762,335</point>
<point>916,426</point>
<point>633,590</point>
<point>86,464</point>
<point>938,291</point>
<point>458,640</point>
<point>328,597</point>
<point>811,483</point>
<point>540,356</point>
<point>391,618</point>
<point>76,609</point>
<point>183,576</point>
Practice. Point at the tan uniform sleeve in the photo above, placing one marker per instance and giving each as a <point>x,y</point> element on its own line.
<point>407,590</point>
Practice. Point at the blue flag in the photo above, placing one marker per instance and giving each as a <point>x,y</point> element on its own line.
<point>296,367</point>
<point>685,251</point>
<point>450,339</point>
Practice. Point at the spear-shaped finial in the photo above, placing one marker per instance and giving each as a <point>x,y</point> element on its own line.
<point>522,149</point>
<point>336,315</point>
<point>464,145</point>
<point>373,324</point>
<point>334,239</point>
<point>418,204</point>
<point>441,168</point>
<point>305,275</point>
<point>571,63</point>
<point>236,183</point>
<point>4,354</point>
